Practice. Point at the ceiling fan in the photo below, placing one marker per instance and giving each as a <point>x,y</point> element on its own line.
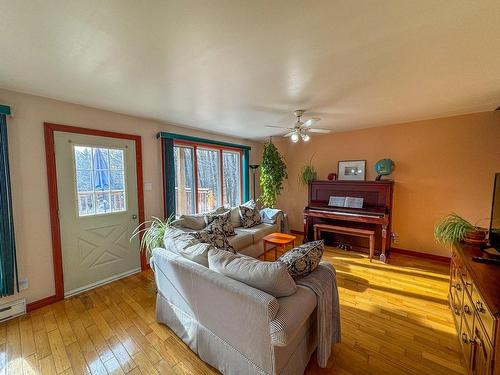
<point>301,129</point>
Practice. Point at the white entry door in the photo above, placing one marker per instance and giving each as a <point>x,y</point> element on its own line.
<point>98,209</point>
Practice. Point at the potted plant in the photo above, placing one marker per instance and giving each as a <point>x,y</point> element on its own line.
<point>307,173</point>
<point>453,228</point>
<point>272,174</point>
<point>152,233</point>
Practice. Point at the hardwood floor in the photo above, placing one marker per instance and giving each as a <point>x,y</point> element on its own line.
<point>395,320</point>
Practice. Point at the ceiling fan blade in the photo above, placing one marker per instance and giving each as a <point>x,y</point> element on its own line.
<point>311,121</point>
<point>278,127</point>
<point>289,134</point>
<point>316,130</point>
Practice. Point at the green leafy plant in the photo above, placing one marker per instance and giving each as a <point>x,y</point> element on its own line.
<point>151,233</point>
<point>452,228</point>
<point>272,174</point>
<point>307,173</point>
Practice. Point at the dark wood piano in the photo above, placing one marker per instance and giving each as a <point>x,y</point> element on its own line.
<point>375,214</point>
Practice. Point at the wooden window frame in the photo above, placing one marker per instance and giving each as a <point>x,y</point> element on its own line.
<point>220,149</point>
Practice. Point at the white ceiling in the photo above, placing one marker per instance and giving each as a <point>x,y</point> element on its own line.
<point>234,66</point>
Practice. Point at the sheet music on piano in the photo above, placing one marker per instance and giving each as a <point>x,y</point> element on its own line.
<point>350,202</point>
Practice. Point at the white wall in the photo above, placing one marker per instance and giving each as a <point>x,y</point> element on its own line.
<point>29,176</point>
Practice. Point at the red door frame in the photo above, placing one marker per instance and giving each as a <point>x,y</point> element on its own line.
<point>49,130</point>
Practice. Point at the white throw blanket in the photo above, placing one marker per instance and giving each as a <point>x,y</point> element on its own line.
<point>323,282</point>
<point>273,215</point>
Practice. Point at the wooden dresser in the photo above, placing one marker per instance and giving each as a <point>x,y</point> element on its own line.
<point>474,299</point>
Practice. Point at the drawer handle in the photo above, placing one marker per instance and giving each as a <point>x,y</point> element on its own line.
<point>457,311</point>
<point>480,307</point>
<point>477,341</point>
<point>458,287</point>
<point>467,340</point>
<point>467,309</point>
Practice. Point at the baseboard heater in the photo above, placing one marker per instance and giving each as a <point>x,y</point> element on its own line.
<point>12,309</point>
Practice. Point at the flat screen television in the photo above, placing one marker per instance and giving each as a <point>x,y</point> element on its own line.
<point>494,233</point>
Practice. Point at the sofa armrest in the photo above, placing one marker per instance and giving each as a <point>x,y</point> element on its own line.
<point>294,311</point>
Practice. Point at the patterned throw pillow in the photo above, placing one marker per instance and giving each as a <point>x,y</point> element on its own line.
<point>221,225</point>
<point>216,240</point>
<point>211,215</point>
<point>304,259</point>
<point>249,216</point>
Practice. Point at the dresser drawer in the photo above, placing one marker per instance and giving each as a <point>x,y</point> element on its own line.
<point>466,279</point>
<point>468,310</point>
<point>467,342</point>
<point>483,315</point>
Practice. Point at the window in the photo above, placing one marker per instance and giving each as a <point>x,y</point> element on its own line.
<point>184,181</point>
<point>209,179</point>
<point>232,181</point>
<point>206,177</point>
<point>100,180</point>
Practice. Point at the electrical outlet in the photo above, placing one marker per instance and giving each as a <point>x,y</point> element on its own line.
<point>23,283</point>
<point>394,237</point>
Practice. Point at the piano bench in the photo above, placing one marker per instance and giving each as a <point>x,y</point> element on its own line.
<point>365,233</point>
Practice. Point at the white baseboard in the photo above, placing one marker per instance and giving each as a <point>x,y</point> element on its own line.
<point>101,282</point>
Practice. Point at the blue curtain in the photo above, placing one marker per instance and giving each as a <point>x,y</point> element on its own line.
<point>8,265</point>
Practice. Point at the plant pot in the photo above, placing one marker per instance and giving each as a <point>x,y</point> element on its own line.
<point>475,237</point>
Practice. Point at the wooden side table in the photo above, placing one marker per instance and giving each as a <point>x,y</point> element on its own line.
<point>279,240</point>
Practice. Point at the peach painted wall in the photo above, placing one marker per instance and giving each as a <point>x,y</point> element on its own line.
<point>442,165</point>
<point>29,178</point>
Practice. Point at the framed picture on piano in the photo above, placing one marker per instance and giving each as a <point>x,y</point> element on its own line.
<point>353,170</point>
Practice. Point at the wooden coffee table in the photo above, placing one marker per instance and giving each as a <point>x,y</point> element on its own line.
<point>279,240</point>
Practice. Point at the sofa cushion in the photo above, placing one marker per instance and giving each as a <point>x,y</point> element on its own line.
<point>258,231</point>
<point>187,246</point>
<point>211,215</point>
<point>221,225</point>
<point>241,240</point>
<point>293,316</point>
<point>235,213</point>
<point>171,233</point>
<point>195,222</point>
<point>304,259</point>
<point>249,216</point>
<point>217,240</point>
<point>197,252</point>
<point>235,217</point>
<point>270,277</point>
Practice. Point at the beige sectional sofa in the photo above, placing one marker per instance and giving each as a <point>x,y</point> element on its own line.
<point>247,241</point>
<point>233,326</point>
<point>238,329</point>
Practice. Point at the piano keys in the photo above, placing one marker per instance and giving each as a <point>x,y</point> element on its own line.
<point>375,214</point>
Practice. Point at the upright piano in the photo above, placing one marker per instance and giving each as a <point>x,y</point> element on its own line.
<point>375,214</point>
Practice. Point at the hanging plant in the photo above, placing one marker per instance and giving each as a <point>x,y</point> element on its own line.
<point>272,174</point>
<point>307,173</point>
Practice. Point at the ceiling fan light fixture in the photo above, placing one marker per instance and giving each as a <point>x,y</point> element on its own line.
<point>300,129</point>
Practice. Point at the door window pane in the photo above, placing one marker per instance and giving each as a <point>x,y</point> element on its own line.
<point>84,181</point>
<point>116,159</point>
<point>117,180</point>
<point>100,180</point>
<point>184,181</point>
<point>232,178</point>
<point>209,184</point>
